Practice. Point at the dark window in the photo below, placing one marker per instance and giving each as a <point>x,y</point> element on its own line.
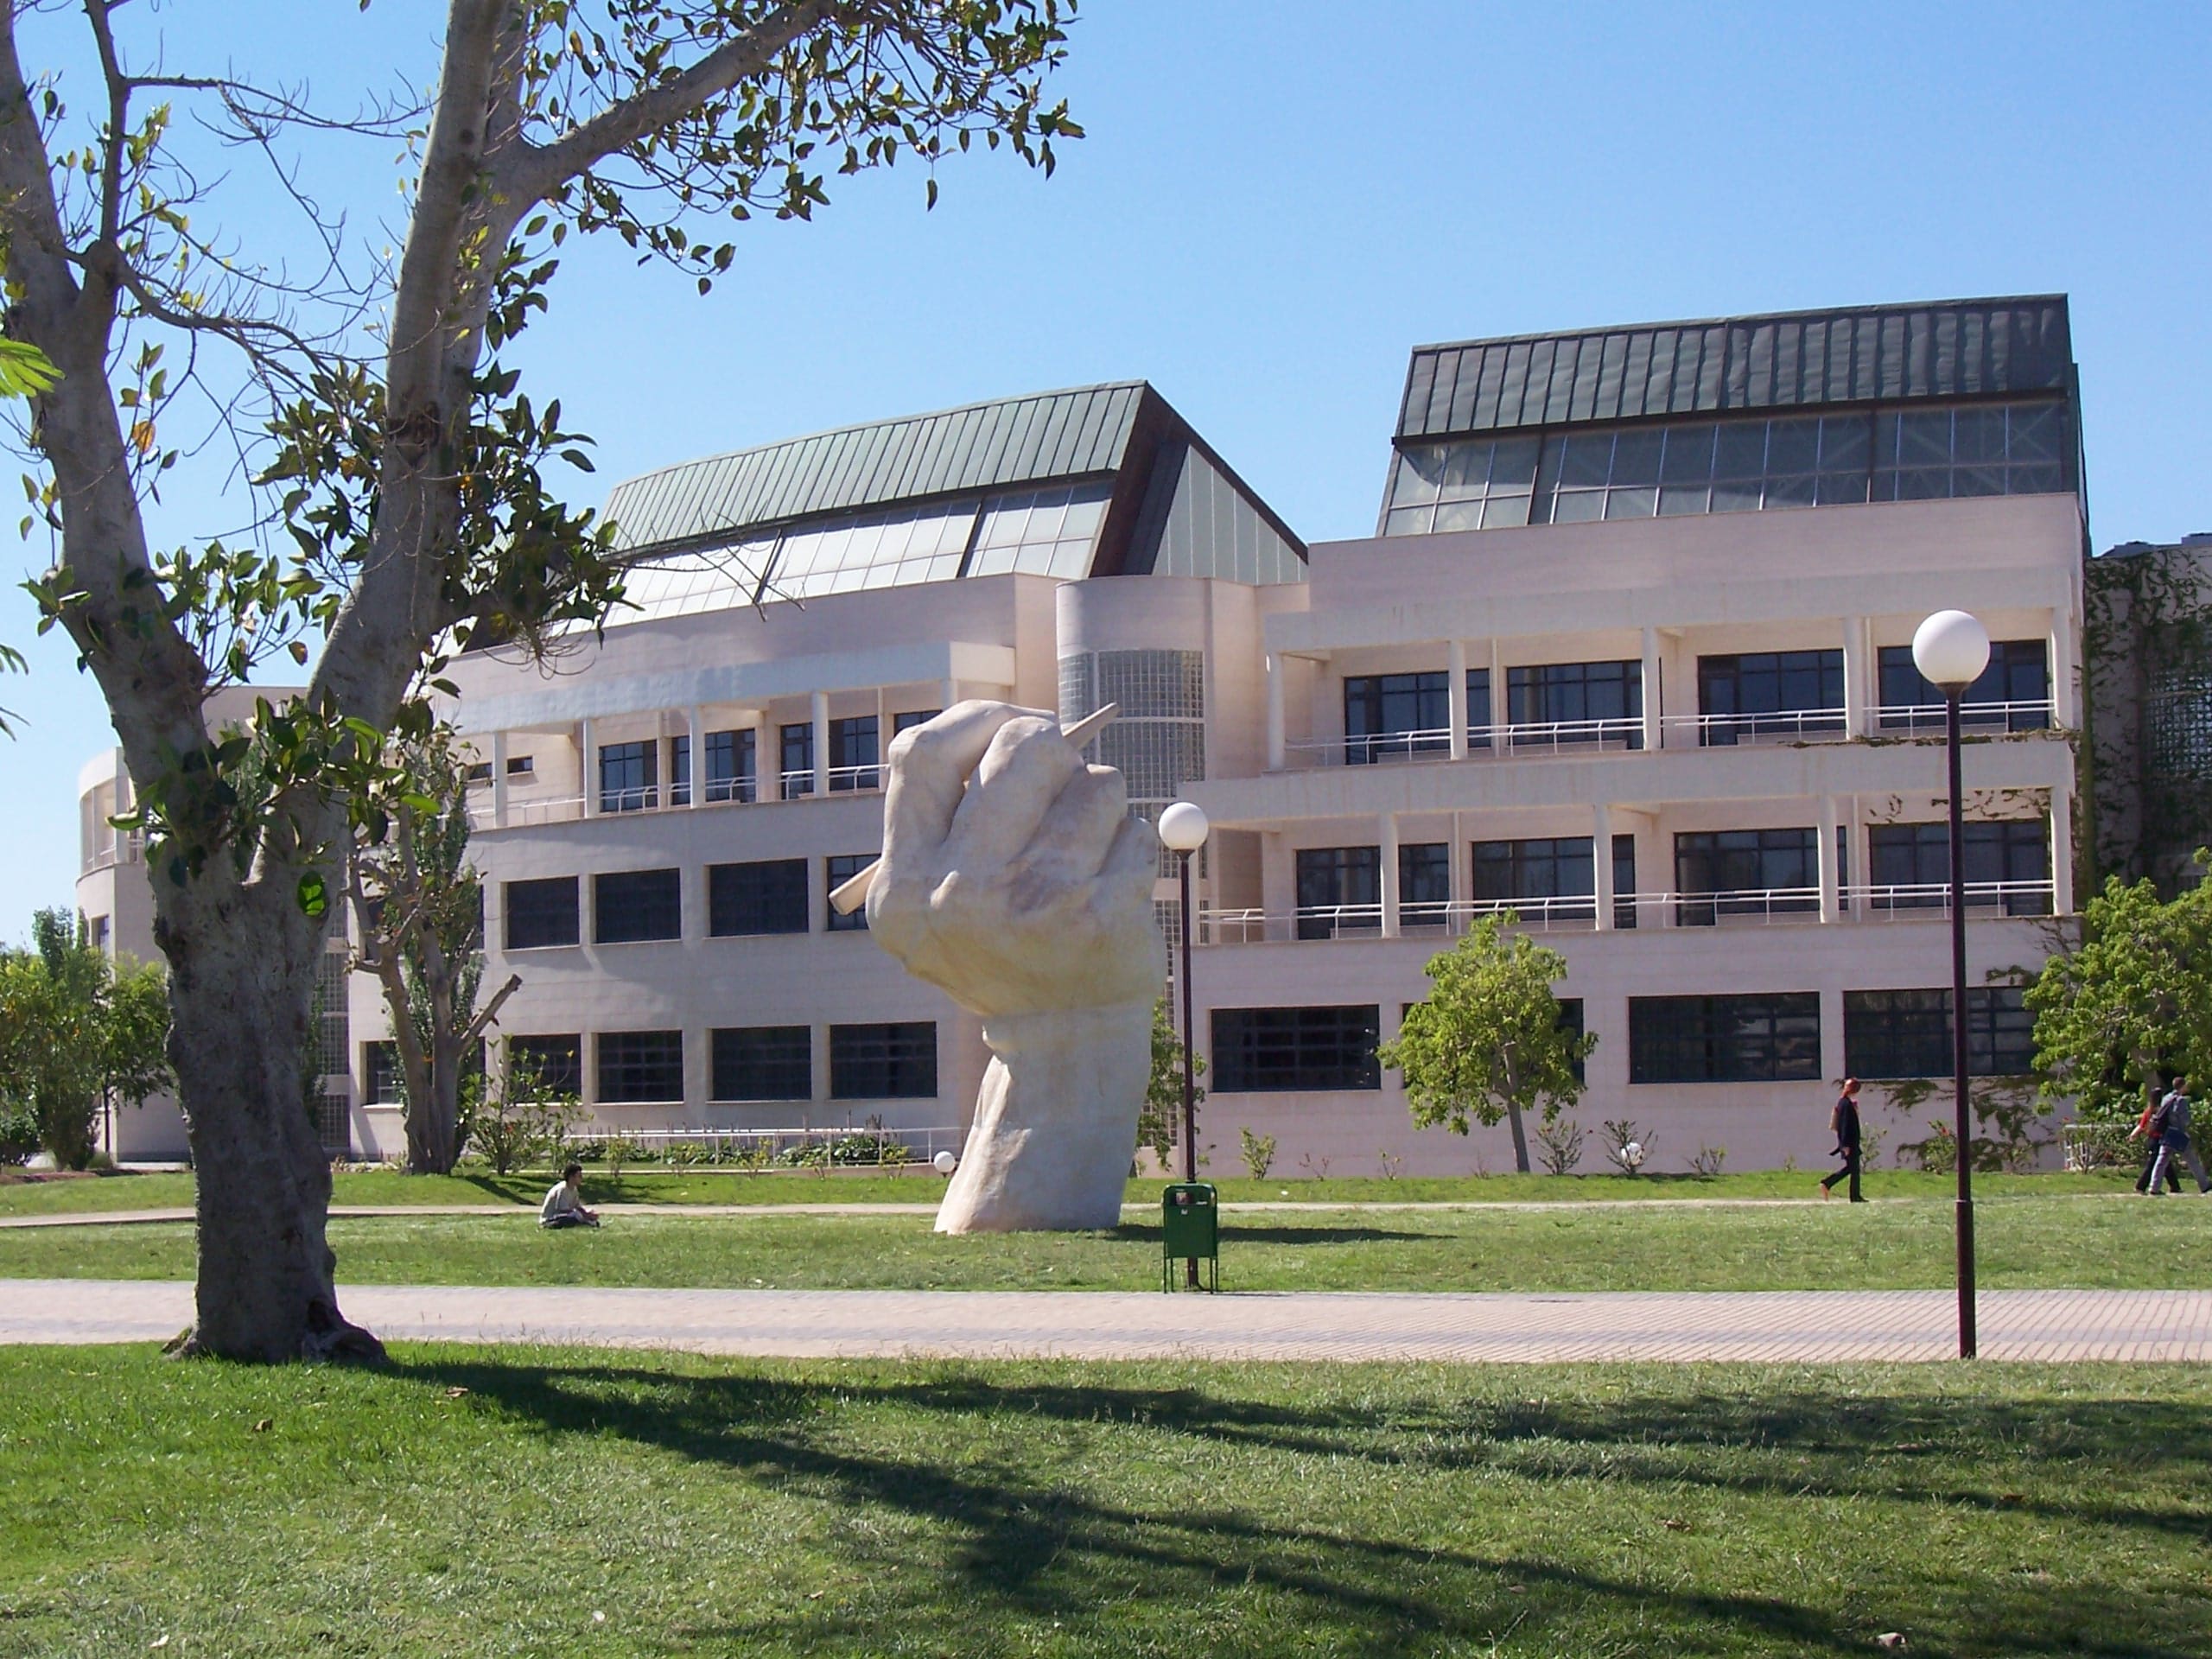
<point>2012,695</point>
<point>382,1083</point>
<point>1624,880</point>
<point>1731,872</point>
<point>1550,704</point>
<point>1570,1021</point>
<point>764,1063</point>
<point>1974,449</point>
<point>1918,855</point>
<point>628,775</point>
<point>1768,1038</point>
<point>1339,891</point>
<point>729,766</point>
<point>637,1066</point>
<point>1424,884</point>
<point>853,754</point>
<point>481,772</point>
<point>836,872</point>
<point>897,1062</point>
<point>764,898</point>
<point>541,912</point>
<point>1787,693</point>
<point>1478,731</point>
<point>912,717</point>
<point>1543,869</point>
<point>1262,1051</point>
<point>553,1065</point>
<point>522,765</point>
<point>1907,1033</point>
<point>627,906</point>
<point>798,760</point>
<point>679,771</point>
<point>1388,716</point>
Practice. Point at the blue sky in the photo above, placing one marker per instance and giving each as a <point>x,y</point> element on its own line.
<point>1278,199</point>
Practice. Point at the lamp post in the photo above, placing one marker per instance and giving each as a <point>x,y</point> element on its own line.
<point>1950,648</point>
<point>1182,831</point>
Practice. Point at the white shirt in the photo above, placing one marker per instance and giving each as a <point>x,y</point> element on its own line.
<point>561,1201</point>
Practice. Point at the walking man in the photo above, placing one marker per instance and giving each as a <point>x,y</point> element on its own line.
<point>2174,1144</point>
<point>1844,1120</point>
<point>2146,1131</point>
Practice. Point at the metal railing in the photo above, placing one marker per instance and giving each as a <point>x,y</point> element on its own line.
<point>1528,737</point>
<point>1926,719</point>
<point>768,1148</point>
<point>123,849</point>
<point>1726,908</point>
<point>1925,900</point>
<point>1777,726</point>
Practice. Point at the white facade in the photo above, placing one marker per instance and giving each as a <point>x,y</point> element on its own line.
<point>1237,694</point>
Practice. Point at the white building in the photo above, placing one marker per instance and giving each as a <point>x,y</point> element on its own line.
<point>1628,654</point>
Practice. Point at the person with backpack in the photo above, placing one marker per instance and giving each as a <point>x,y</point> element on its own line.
<point>2146,1130</point>
<point>1844,1121</point>
<point>2174,1144</point>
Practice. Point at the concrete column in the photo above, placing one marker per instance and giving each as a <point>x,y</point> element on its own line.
<point>1498,698</point>
<point>819,1038</point>
<point>2065,712</point>
<point>948,693</point>
<point>1856,683</point>
<point>1653,732</point>
<point>1857,868</point>
<point>767,758</point>
<point>882,733</point>
<point>1275,745</point>
<point>1601,862</point>
<point>587,761</point>
<point>2062,851</point>
<point>1458,873</point>
<point>1389,875</point>
<point>1830,907</point>
<point>695,728</point>
<point>1455,677</point>
<point>499,780</point>
<point>821,743</point>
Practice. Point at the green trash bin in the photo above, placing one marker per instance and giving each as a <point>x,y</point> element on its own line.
<point>1190,1231</point>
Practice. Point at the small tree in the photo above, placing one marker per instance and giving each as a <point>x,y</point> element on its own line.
<point>2130,1003</point>
<point>419,909</point>
<point>1160,1119</point>
<point>513,1119</point>
<point>1488,1042</point>
<point>75,1031</point>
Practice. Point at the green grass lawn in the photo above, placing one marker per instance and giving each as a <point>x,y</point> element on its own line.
<point>2059,1241</point>
<point>479,1501</point>
<point>163,1190</point>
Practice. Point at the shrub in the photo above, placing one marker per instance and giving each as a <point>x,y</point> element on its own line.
<point>508,1133</point>
<point>1709,1161</point>
<point>1559,1145</point>
<point>1259,1152</point>
<point>1627,1148</point>
<point>18,1137</point>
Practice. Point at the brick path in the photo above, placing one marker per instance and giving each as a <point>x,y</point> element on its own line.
<point>1787,1327</point>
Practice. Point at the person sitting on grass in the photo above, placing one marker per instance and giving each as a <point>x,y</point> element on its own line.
<point>564,1204</point>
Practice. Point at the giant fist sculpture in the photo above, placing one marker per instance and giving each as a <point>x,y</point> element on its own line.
<point>1013,878</point>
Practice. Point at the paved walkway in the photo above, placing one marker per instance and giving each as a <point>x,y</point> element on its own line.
<point>1786,1326</point>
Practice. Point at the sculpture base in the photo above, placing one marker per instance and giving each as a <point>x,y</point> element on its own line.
<point>1056,1124</point>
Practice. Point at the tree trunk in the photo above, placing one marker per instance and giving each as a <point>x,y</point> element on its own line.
<point>1520,1136</point>
<point>434,1113</point>
<point>266,1290</point>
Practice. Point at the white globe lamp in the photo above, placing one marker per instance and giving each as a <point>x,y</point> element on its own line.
<point>945,1163</point>
<point>1183,826</point>
<point>1950,648</point>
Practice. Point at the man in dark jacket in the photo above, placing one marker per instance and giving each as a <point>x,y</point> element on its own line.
<point>2174,1144</point>
<point>2147,1130</point>
<point>1844,1120</point>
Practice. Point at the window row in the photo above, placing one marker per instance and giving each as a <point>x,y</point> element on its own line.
<point>1732,466</point>
<point>630,773</point>
<point>630,907</point>
<point>1767,1037</point>
<point>896,1061</point>
<point>1339,889</point>
<point>1781,693</point>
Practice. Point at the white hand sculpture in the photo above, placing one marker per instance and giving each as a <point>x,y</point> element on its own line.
<point>1025,890</point>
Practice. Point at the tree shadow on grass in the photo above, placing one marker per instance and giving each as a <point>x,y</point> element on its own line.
<point>1235,1233</point>
<point>1020,1532</point>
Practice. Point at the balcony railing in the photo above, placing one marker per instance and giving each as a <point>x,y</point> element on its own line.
<point>1753,906</point>
<point>123,849</point>
<point>1926,719</point>
<point>1676,731</point>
